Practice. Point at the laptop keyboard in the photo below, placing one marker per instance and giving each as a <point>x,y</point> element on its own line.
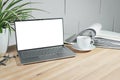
<point>43,54</point>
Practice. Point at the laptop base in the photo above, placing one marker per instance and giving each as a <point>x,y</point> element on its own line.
<point>45,54</point>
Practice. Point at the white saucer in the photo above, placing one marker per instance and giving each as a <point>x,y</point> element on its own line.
<point>75,46</point>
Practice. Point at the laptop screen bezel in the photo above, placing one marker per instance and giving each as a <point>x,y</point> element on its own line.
<point>36,20</point>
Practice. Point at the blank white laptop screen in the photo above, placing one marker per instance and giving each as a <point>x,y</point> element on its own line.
<point>39,33</point>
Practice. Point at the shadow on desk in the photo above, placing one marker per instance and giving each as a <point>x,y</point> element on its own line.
<point>76,51</point>
<point>12,50</point>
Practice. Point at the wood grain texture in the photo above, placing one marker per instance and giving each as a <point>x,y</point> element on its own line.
<point>98,64</point>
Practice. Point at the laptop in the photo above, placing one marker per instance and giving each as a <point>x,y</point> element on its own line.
<point>41,40</point>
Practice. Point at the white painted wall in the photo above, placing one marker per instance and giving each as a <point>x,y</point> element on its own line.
<point>79,14</point>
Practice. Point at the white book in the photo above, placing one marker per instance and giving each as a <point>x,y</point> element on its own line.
<point>109,35</point>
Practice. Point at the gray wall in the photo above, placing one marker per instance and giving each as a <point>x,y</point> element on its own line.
<point>79,14</point>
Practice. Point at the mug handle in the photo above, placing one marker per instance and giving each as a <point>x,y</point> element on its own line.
<point>92,41</point>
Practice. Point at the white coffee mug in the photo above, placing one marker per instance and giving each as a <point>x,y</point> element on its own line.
<point>84,42</point>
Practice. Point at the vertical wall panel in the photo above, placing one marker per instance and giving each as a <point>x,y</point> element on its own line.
<point>54,7</point>
<point>107,10</point>
<point>117,16</point>
<point>80,14</point>
<point>117,23</point>
<point>110,13</point>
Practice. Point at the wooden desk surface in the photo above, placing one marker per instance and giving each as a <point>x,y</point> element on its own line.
<point>98,64</point>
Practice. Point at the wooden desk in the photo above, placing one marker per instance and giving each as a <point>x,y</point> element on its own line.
<point>99,64</point>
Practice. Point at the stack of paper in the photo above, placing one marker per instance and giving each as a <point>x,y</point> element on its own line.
<point>109,35</point>
<point>108,39</point>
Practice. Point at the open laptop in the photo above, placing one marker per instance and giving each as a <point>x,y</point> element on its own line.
<point>41,40</point>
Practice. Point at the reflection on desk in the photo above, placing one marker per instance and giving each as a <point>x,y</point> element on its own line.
<point>98,64</point>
